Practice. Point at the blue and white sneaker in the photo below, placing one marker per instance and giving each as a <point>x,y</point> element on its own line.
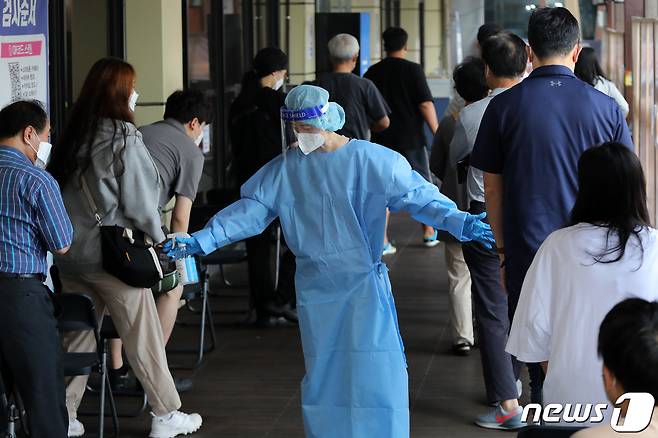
<point>389,249</point>
<point>500,419</point>
<point>431,241</point>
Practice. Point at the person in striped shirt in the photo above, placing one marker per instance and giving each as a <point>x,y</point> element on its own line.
<point>33,221</point>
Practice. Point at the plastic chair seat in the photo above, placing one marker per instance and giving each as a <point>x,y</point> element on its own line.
<point>192,291</point>
<point>79,364</point>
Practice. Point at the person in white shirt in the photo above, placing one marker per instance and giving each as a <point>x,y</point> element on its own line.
<point>628,345</point>
<point>589,70</point>
<point>608,254</point>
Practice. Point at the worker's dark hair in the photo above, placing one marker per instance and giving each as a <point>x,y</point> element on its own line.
<point>487,30</point>
<point>185,105</point>
<point>505,54</point>
<point>552,32</point>
<point>269,60</point>
<point>395,38</point>
<point>266,61</point>
<point>588,68</point>
<point>470,81</point>
<point>628,345</point>
<point>612,193</point>
<point>17,116</point>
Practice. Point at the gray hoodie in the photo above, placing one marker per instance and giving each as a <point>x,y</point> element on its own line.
<point>125,185</point>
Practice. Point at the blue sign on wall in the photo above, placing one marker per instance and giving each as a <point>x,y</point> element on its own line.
<point>23,50</point>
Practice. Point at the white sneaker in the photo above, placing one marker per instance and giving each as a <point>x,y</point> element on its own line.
<point>389,249</point>
<point>173,424</point>
<point>75,428</point>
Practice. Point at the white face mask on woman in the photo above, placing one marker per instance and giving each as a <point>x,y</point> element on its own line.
<point>308,142</point>
<point>132,102</point>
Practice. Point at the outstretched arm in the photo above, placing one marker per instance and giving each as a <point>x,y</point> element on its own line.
<point>247,217</point>
<point>244,218</point>
<point>410,192</point>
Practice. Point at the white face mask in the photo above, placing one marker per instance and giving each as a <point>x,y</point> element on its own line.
<point>199,139</point>
<point>278,84</point>
<point>132,102</point>
<point>43,153</point>
<point>309,142</point>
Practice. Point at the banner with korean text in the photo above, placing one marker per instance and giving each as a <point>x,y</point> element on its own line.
<point>23,51</point>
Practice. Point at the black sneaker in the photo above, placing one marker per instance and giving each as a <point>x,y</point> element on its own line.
<point>284,310</point>
<point>119,379</point>
<point>461,349</point>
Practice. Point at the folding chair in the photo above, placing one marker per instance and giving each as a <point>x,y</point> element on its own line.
<point>107,332</point>
<point>198,292</point>
<point>79,314</point>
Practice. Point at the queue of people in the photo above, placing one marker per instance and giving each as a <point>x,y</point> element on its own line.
<point>530,257</point>
<point>543,279</point>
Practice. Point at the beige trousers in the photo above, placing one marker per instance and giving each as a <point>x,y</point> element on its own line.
<point>459,294</point>
<point>136,320</point>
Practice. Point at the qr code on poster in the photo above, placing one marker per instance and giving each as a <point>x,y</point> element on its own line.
<point>15,80</point>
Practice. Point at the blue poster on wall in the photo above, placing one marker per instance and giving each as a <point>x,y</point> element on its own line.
<point>23,50</point>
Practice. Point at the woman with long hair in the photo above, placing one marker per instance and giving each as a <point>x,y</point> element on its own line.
<point>101,147</point>
<point>608,253</point>
<point>589,70</point>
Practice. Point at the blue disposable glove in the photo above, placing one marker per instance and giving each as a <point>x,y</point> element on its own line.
<point>478,231</point>
<point>185,246</point>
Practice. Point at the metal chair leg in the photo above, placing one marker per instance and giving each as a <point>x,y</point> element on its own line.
<point>211,326</point>
<point>206,320</point>
<point>113,406</point>
<point>12,417</point>
<point>278,258</point>
<point>101,413</point>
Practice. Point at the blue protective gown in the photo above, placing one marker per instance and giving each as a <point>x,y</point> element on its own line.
<point>332,207</point>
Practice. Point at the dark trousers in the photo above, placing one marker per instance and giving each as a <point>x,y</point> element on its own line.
<point>30,351</point>
<point>261,280</point>
<point>491,314</point>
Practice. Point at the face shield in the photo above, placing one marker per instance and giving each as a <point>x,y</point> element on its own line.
<point>301,128</point>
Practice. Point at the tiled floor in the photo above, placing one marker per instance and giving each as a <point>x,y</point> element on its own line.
<point>249,387</point>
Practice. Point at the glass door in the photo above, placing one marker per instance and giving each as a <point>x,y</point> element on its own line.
<point>217,52</point>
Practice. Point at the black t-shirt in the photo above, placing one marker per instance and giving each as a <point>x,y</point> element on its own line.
<point>359,97</point>
<point>404,87</point>
<point>255,130</point>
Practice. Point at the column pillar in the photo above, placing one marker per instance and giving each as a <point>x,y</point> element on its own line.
<point>433,38</point>
<point>298,22</point>
<point>410,21</point>
<point>154,46</point>
<point>373,7</point>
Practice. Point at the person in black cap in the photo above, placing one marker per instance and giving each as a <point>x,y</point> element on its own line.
<point>255,132</point>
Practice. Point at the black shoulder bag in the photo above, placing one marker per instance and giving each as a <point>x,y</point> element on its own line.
<point>125,253</point>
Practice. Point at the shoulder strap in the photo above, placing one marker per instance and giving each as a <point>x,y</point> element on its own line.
<point>90,199</point>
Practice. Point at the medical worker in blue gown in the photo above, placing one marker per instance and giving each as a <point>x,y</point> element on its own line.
<point>331,195</point>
